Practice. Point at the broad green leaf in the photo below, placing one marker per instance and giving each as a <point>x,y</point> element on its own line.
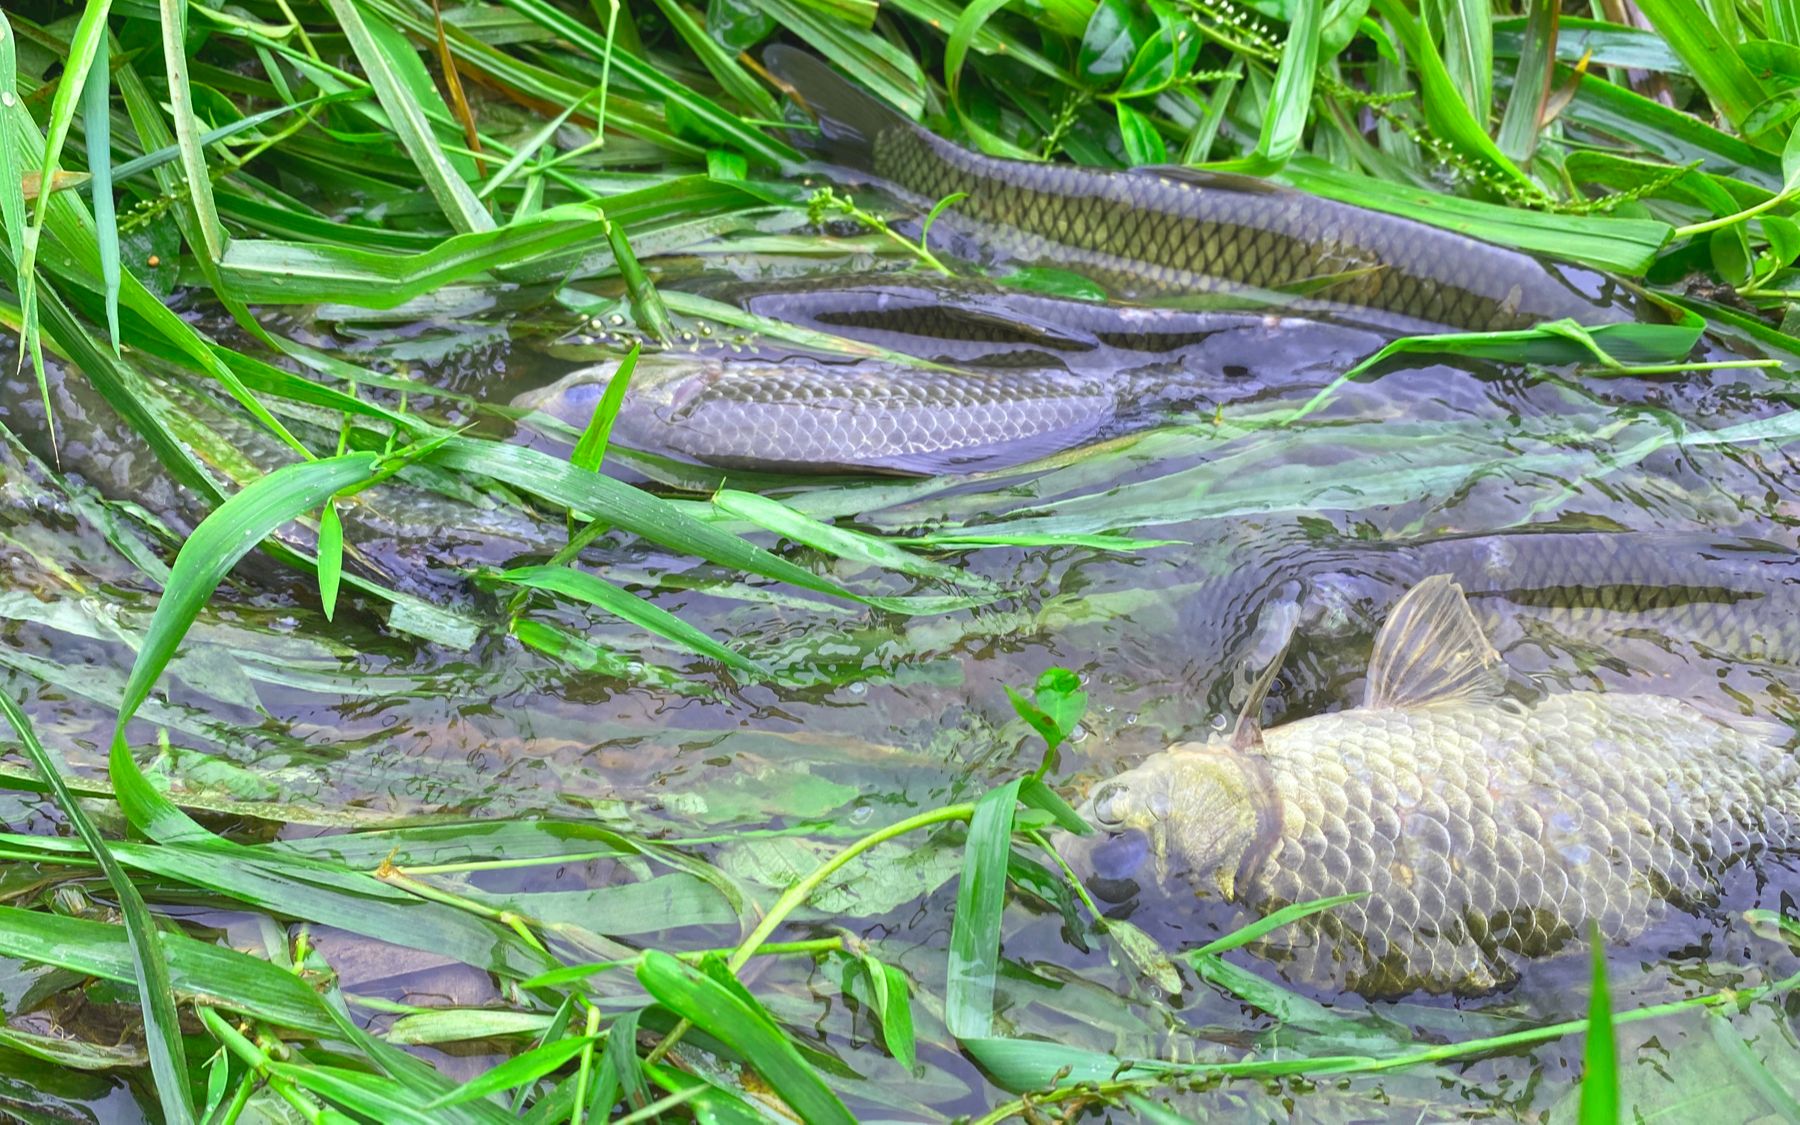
<point>749,1031</point>
<point>893,1007</point>
<point>150,967</point>
<point>410,122</point>
<point>975,926</point>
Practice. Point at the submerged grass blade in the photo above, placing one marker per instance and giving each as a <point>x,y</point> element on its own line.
<point>156,994</point>
<point>215,547</point>
<point>975,927</point>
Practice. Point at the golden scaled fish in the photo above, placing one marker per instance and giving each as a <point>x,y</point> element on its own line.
<point>1484,830</point>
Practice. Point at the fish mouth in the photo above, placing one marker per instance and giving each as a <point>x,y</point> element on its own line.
<point>1119,857</point>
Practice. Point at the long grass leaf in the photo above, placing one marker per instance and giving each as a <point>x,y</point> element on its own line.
<point>197,180</point>
<point>590,450</point>
<point>96,121</point>
<point>1290,101</point>
<point>12,160</point>
<point>156,993</point>
<point>1599,1057</point>
<point>975,927</point>
<point>724,1014</point>
<point>596,591</point>
<point>409,121</point>
<point>1710,56</point>
<point>1522,121</point>
<point>223,538</point>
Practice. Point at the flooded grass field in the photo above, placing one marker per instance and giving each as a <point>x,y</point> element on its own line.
<point>524,774</point>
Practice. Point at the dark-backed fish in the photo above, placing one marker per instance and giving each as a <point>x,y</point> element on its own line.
<point>964,321</point>
<point>1169,231</point>
<point>1483,830</point>
<point>804,416</point>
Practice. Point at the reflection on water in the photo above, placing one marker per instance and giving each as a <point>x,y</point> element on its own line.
<point>1628,534</point>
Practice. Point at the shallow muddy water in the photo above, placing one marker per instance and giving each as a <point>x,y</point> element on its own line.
<point>294,728</point>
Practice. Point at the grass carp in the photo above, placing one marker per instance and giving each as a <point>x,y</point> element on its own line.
<point>1483,830</point>
<point>962,321</point>
<point>800,415</point>
<point>1171,231</point>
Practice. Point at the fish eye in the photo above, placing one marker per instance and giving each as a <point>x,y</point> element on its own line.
<point>1109,805</point>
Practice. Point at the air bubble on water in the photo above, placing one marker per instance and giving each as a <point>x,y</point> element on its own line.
<point>1131,720</point>
<point>1220,722</point>
<point>861,814</point>
<point>859,689</point>
<point>618,321</point>
<point>1078,735</point>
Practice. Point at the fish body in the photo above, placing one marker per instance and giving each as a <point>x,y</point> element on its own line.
<point>1161,232</point>
<point>803,416</point>
<point>1483,830</point>
<point>1735,599</point>
<point>962,321</point>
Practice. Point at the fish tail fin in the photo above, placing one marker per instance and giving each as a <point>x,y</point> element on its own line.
<point>849,119</point>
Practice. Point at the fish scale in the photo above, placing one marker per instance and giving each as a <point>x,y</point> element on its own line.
<point>1487,864</point>
<point>1162,232</point>
<point>1482,829</point>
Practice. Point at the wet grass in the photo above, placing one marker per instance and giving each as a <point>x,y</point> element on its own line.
<point>567,165</point>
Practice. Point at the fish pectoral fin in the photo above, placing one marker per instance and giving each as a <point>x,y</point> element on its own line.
<point>1432,651</point>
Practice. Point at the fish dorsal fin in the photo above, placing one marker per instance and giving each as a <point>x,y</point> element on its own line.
<point>1431,651</point>
<point>1213,181</point>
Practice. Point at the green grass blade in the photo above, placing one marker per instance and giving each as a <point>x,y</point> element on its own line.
<point>13,161</point>
<point>156,993</point>
<point>975,927</point>
<point>1290,101</point>
<point>1710,56</point>
<point>1519,125</point>
<point>1270,923</point>
<point>630,508</point>
<point>888,987</point>
<point>590,451</point>
<point>411,124</point>
<point>96,120</point>
<point>331,557</point>
<point>1449,118</point>
<point>198,181</point>
<point>724,1014</point>
<point>211,551</point>
<point>596,591</point>
<point>225,977</point>
<point>720,63</point>
<point>270,272</point>
<point>1599,1075</point>
<point>1464,31</point>
<point>520,1070</point>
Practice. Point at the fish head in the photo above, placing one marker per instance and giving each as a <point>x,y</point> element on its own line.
<point>1196,812</point>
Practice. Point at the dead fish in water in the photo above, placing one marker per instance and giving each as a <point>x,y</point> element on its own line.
<point>962,321</point>
<point>1484,831</point>
<point>803,416</point>
<point>1173,231</point>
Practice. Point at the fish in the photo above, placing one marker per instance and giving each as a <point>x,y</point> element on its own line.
<point>1728,597</point>
<point>1483,830</point>
<point>1167,231</point>
<point>970,322</point>
<point>800,415</point>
